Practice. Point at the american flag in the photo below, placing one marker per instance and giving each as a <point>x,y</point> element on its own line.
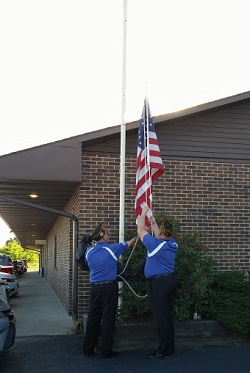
<point>149,165</point>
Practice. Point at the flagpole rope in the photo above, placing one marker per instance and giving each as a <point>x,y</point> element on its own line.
<point>146,159</point>
<point>137,295</point>
<point>124,269</point>
<point>149,191</point>
<point>147,145</point>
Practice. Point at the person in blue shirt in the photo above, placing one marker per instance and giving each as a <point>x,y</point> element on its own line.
<point>102,258</point>
<point>159,271</point>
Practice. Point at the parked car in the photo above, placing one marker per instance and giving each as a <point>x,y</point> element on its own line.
<point>4,290</point>
<point>20,265</point>
<point>12,281</point>
<point>7,327</point>
<point>25,264</point>
<point>18,270</point>
<point>6,264</point>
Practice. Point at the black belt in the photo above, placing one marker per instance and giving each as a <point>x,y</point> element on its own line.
<point>163,275</point>
<point>103,282</point>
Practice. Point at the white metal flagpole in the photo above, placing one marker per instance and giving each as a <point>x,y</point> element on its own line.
<point>123,138</point>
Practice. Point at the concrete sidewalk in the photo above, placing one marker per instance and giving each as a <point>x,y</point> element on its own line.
<point>37,309</point>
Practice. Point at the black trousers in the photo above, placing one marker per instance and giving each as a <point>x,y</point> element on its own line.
<point>161,295</point>
<point>103,307</point>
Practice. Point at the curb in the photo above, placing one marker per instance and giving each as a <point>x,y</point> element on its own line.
<point>188,333</point>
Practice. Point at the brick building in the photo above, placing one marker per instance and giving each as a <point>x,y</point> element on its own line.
<point>206,155</point>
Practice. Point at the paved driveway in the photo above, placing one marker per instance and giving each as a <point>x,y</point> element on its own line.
<point>64,354</point>
<point>43,345</point>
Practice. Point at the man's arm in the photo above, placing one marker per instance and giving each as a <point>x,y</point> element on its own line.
<point>131,242</point>
<point>141,223</point>
<point>155,227</point>
<point>141,230</point>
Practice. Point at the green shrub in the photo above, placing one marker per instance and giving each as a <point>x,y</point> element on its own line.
<point>134,294</point>
<point>193,269</point>
<point>231,300</point>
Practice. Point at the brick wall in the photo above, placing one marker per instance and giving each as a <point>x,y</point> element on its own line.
<point>210,197</point>
<point>59,267</point>
<point>213,198</point>
<point>99,200</point>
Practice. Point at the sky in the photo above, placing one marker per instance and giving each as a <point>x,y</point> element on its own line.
<point>62,63</point>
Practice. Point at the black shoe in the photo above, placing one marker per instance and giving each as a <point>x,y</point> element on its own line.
<point>112,354</point>
<point>156,355</point>
<point>89,353</point>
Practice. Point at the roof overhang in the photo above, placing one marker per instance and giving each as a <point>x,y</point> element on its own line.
<point>53,173</point>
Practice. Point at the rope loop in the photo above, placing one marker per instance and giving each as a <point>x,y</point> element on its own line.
<point>124,269</point>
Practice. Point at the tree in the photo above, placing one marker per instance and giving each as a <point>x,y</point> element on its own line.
<point>17,252</point>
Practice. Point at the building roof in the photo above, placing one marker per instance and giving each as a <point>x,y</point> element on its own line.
<point>54,172</point>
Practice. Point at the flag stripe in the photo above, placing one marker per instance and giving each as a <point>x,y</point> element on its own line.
<point>149,165</point>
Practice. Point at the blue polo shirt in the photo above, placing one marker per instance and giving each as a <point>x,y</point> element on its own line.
<point>161,255</point>
<point>102,259</point>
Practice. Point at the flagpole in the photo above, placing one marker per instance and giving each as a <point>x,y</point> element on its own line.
<point>123,139</point>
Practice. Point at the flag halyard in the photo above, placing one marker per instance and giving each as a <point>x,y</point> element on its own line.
<point>149,165</point>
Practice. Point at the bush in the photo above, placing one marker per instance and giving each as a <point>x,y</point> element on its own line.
<point>223,296</point>
<point>134,295</point>
<point>231,300</point>
<point>193,269</point>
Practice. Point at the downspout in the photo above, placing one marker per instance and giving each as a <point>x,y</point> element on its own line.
<point>75,245</point>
